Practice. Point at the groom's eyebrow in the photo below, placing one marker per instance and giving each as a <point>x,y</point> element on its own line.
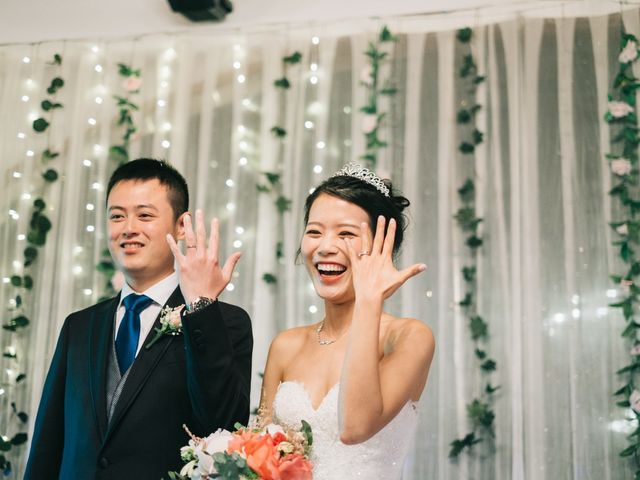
<point>137,207</point>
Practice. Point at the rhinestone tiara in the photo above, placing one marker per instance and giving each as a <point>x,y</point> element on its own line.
<point>358,171</point>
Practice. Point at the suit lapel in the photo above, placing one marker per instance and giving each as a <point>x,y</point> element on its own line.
<point>144,364</point>
<point>100,345</point>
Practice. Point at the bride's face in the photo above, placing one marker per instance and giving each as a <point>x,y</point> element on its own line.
<point>323,248</point>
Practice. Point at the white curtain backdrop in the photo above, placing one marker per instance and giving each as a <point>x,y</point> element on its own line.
<point>207,105</point>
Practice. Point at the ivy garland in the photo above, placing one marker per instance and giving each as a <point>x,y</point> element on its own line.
<point>273,183</point>
<point>39,227</point>
<point>621,115</point>
<point>480,409</point>
<point>119,154</point>
<point>370,79</point>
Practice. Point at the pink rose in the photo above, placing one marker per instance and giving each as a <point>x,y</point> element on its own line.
<point>117,280</point>
<point>629,53</point>
<point>622,229</point>
<point>634,400</point>
<point>620,109</point>
<point>132,83</point>
<point>369,123</point>
<point>621,166</point>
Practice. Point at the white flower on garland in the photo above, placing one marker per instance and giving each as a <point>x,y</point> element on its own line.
<point>623,229</point>
<point>635,350</point>
<point>629,53</point>
<point>366,75</point>
<point>369,123</point>
<point>634,400</point>
<point>619,109</point>
<point>621,167</point>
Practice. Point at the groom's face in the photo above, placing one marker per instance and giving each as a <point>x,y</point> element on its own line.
<point>139,219</point>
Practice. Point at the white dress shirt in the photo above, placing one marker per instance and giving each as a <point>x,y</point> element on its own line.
<point>159,293</point>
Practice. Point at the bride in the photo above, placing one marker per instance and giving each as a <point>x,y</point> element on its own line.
<point>356,376</point>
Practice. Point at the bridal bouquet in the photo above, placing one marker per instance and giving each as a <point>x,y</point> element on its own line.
<point>269,452</point>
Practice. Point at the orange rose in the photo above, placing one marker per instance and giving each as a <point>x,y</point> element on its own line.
<point>295,467</point>
<point>260,452</point>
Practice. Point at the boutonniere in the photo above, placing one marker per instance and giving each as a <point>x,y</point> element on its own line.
<point>170,323</point>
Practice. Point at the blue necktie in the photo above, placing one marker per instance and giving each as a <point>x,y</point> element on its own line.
<point>129,331</point>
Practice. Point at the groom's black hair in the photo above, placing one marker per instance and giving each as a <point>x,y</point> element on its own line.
<point>144,169</point>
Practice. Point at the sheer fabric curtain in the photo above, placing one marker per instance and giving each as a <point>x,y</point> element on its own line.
<point>207,104</point>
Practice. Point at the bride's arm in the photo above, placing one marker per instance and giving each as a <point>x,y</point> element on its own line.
<point>373,390</point>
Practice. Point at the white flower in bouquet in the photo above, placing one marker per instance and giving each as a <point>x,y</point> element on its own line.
<point>621,166</point>
<point>217,441</point>
<point>619,109</point>
<point>272,429</point>
<point>629,53</point>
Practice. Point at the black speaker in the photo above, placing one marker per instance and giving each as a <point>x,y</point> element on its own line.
<point>202,10</point>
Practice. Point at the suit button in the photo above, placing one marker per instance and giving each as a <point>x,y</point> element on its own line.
<point>104,463</point>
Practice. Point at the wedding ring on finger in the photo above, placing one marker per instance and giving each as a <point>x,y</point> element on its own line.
<point>362,254</point>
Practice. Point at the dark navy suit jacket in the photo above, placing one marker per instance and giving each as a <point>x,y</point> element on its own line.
<point>200,379</point>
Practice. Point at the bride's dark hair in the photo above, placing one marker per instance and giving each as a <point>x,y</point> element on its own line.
<point>367,197</point>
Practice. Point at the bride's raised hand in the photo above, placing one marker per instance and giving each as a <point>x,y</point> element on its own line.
<point>199,269</point>
<point>373,272</point>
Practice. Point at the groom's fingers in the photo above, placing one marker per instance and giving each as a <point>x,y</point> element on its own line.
<point>201,232</point>
<point>214,239</point>
<point>230,265</point>
<point>189,236</point>
<point>177,254</point>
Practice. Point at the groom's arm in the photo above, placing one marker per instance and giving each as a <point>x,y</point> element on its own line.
<point>47,443</point>
<point>218,346</point>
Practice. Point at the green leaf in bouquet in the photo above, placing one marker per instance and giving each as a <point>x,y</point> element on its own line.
<point>306,431</point>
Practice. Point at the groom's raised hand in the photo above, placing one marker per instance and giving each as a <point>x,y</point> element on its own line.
<point>199,268</point>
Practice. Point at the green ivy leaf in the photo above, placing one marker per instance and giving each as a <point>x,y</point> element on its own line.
<point>279,250</point>
<point>480,413</point>
<point>490,389</point>
<point>469,273</point>
<point>283,204</point>
<point>458,445</point>
<point>30,254</point>
<point>388,91</point>
<point>480,354</point>
<point>467,300</point>
<point>279,132</point>
<point>27,281</point>
<point>50,175</point>
<point>56,84</point>
<point>478,136</point>
<point>270,278</point>
<point>467,191</point>
<point>488,366</point>
<point>386,35</point>
<point>463,116</point>
<point>292,59</point>
<point>39,204</point>
<point>40,125</point>
<point>20,377</point>
<point>282,83</point>
<point>466,147</point>
<point>474,242</point>
<point>19,439</point>
<point>630,450</point>
<point>57,59</point>
<point>118,153</point>
<point>49,155</point>
<point>263,188</point>
<point>16,281</point>
<point>479,328</point>
<point>464,35</point>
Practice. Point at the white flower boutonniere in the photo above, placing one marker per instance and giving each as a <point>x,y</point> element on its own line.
<point>170,323</point>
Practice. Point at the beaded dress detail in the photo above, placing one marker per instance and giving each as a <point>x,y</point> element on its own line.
<point>380,457</point>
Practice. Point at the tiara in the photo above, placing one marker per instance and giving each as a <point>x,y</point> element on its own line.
<point>358,171</point>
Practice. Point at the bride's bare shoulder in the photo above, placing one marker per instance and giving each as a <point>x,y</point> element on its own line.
<point>409,333</point>
<point>289,342</point>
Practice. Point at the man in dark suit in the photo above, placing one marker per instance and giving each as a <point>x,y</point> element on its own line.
<point>114,401</point>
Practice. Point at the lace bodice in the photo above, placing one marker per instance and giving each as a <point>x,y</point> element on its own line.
<point>380,457</point>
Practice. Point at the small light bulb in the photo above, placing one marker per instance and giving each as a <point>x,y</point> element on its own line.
<point>91,228</point>
<point>92,121</point>
<point>165,144</point>
<point>86,162</point>
<point>243,161</point>
<point>26,59</point>
<point>241,78</point>
<point>239,230</point>
<point>317,169</point>
<point>313,79</point>
<point>162,103</point>
<point>320,145</point>
<point>21,135</point>
<point>237,243</point>
<point>231,287</point>
<point>314,67</point>
<point>236,65</point>
<point>90,206</point>
<point>30,153</point>
<point>308,124</point>
<point>99,100</point>
<point>25,98</point>
<point>229,183</point>
<point>315,40</point>
<point>98,68</point>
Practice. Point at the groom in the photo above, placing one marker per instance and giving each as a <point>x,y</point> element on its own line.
<point>114,403</point>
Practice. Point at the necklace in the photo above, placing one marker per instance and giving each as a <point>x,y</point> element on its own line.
<point>327,342</point>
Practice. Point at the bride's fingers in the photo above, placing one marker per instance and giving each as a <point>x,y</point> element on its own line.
<point>390,238</point>
<point>189,236</point>
<point>350,251</point>
<point>365,238</point>
<point>411,271</point>
<point>201,232</point>
<point>379,236</point>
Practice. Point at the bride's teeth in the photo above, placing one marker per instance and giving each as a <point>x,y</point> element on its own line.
<point>331,268</point>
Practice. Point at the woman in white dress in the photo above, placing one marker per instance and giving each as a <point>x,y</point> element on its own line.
<point>357,375</point>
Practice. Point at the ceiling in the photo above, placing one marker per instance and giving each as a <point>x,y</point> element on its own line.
<point>29,21</point>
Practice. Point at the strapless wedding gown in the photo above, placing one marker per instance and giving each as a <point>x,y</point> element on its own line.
<point>380,457</point>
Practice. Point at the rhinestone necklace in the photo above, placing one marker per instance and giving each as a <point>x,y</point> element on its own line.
<point>319,329</point>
